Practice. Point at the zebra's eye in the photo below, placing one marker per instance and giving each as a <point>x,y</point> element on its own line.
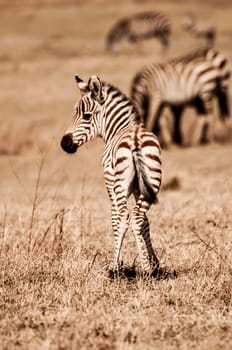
<point>87,116</point>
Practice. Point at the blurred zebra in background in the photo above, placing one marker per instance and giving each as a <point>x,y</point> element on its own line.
<point>188,80</point>
<point>138,27</point>
<point>206,31</point>
<point>131,161</point>
<point>220,62</point>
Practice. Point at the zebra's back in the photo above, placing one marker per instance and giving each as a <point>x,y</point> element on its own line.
<point>173,82</point>
<point>138,27</point>
<point>148,24</point>
<point>220,62</point>
<point>217,58</point>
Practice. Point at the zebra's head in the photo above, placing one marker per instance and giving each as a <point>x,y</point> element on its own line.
<point>188,21</point>
<point>86,111</point>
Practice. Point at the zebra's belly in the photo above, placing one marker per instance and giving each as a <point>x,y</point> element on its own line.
<point>177,95</point>
<point>177,99</point>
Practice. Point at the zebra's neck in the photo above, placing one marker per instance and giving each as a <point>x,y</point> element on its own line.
<point>118,114</point>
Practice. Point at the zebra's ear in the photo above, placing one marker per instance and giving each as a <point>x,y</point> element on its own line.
<point>82,85</point>
<point>78,79</point>
<point>95,86</point>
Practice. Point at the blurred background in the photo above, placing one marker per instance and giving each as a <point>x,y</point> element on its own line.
<point>44,43</point>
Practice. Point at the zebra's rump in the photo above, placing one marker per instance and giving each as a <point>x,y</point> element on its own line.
<point>138,155</point>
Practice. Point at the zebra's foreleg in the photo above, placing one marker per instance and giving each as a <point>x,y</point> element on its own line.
<point>199,129</point>
<point>164,40</point>
<point>177,134</point>
<point>141,232</point>
<point>154,111</point>
<point>165,132</point>
<point>203,131</point>
<point>208,132</point>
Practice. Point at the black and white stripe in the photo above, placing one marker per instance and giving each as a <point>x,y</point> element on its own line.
<point>138,27</point>
<point>189,80</point>
<point>131,160</point>
<point>220,62</point>
<point>205,30</point>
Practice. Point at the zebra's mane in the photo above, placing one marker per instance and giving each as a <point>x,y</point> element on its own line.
<point>122,97</point>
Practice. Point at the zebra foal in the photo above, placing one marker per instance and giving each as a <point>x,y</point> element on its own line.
<point>138,27</point>
<point>131,161</point>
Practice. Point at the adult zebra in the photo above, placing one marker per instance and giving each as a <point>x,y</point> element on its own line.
<point>189,80</point>
<point>131,161</point>
<point>205,30</point>
<point>138,27</point>
<point>220,62</point>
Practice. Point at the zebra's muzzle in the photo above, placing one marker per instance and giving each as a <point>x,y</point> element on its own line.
<point>67,144</point>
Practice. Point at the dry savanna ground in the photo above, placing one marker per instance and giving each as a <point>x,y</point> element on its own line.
<point>55,233</point>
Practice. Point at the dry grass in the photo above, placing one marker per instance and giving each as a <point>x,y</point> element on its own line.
<point>55,235</point>
<point>55,293</point>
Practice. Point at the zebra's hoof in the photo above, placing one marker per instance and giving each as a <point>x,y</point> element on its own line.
<point>129,273</point>
<point>162,274</point>
<point>126,272</point>
<point>114,274</point>
<point>115,270</point>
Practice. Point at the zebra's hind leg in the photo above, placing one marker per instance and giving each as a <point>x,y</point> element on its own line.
<point>202,132</point>
<point>141,232</point>
<point>120,224</point>
<point>119,234</point>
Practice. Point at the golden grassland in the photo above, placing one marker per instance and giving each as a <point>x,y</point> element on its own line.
<point>55,230</point>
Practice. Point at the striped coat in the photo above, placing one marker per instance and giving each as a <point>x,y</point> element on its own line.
<point>220,62</point>
<point>190,80</point>
<point>138,27</point>
<point>131,161</point>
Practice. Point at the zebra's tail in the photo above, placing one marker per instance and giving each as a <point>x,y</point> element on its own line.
<point>145,186</point>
